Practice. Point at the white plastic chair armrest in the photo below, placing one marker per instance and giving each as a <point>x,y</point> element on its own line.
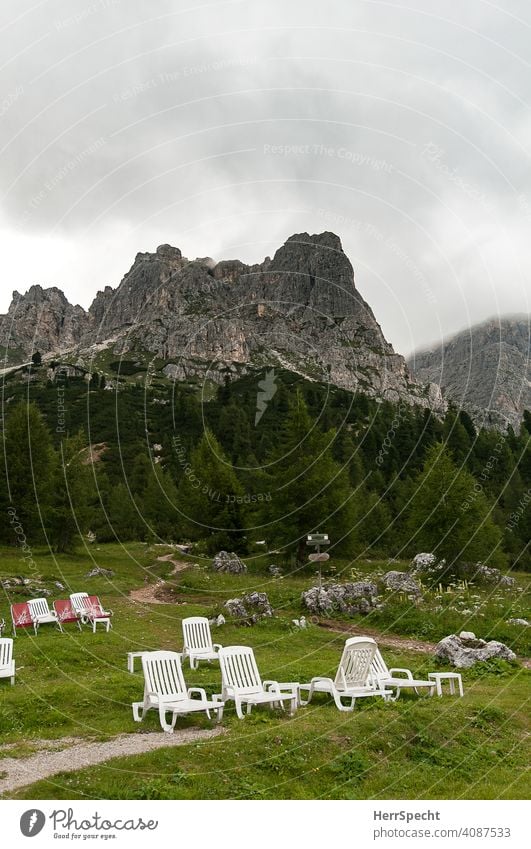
<point>407,672</point>
<point>199,690</point>
<point>271,686</point>
<point>324,679</point>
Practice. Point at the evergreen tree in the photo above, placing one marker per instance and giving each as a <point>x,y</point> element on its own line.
<point>450,516</point>
<point>27,467</point>
<point>310,491</point>
<point>73,494</point>
<point>211,499</point>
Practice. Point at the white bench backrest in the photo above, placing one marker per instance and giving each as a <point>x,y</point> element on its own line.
<point>239,671</point>
<point>163,675</point>
<point>196,633</point>
<point>355,665</point>
<point>38,607</point>
<point>80,602</point>
<point>6,652</point>
<point>379,670</point>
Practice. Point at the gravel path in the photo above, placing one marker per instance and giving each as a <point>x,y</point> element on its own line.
<point>17,772</point>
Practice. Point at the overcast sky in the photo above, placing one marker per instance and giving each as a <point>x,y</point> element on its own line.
<point>224,127</point>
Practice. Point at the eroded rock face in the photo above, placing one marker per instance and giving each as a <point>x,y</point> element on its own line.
<point>250,608</point>
<point>42,320</point>
<point>350,598</point>
<point>465,650</point>
<point>228,562</point>
<point>485,369</point>
<point>402,582</point>
<point>300,310</point>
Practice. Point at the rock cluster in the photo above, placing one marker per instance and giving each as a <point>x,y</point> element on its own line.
<point>250,608</point>
<point>228,562</point>
<point>349,598</point>
<point>489,575</point>
<point>98,572</point>
<point>402,582</point>
<point>465,650</point>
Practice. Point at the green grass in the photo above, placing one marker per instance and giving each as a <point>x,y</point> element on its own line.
<point>77,685</point>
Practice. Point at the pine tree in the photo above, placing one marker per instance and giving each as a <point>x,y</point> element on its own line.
<point>211,499</point>
<point>73,494</point>
<point>27,466</point>
<point>450,516</point>
<point>310,491</point>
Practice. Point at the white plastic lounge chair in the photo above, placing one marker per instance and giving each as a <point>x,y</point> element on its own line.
<point>241,682</point>
<point>352,679</point>
<point>90,610</point>
<point>198,643</point>
<point>7,664</point>
<point>165,690</point>
<point>41,614</point>
<point>381,676</point>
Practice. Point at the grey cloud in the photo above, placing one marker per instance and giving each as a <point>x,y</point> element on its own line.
<point>223,128</point>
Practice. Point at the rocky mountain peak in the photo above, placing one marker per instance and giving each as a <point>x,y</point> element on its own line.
<point>485,369</point>
<point>300,310</point>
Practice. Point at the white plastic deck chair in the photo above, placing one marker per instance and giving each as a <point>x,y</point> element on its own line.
<point>7,664</point>
<point>42,615</point>
<point>198,643</point>
<point>352,679</point>
<point>241,682</point>
<point>165,690</point>
<point>381,676</point>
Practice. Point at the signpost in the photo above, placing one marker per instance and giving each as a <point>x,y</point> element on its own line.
<point>318,556</point>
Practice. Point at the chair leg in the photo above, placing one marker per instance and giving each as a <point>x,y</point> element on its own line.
<point>238,706</point>
<point>460,685</point>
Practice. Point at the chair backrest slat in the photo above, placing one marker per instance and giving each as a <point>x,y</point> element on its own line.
<point>196,633</point>
<point>355,664</point>
<point>79,602</point>
<point>379,669</point>
<point>163,675</point>
<point>21,614</point>
<point>39,607</point>
<point>6,652</point>
<point>239,670</point>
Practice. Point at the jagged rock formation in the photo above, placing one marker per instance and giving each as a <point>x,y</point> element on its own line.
<point>486,370</point>
<point>42,320</point>
<point>300,310</point>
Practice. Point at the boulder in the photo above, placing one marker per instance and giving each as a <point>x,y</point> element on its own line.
<point>99,572</point>
<point>235,608</point>
<point>228,562</point>
<point>349,598</point>
<point>523,622</point>
<point>465,650</point>
<point>402,582</point>
<point>489,575</point>
<point>251,607</point>
<point>276,571</point>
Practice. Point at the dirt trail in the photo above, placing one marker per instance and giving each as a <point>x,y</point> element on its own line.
<point>18,772</point>
<point>407,643</point>
<point>149,594</point>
